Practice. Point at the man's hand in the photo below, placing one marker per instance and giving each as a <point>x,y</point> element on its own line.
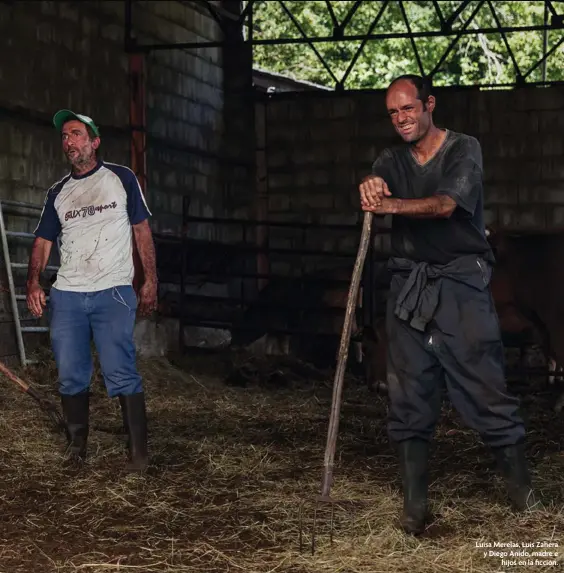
<point>35,299</point>
<point>146,267</point>
<point>372,190</point>
<point>386,207</point>
<point>148,298</point>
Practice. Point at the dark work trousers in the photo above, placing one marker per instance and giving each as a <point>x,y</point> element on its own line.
<point>462,348</point>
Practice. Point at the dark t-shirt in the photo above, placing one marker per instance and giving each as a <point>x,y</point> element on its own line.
<point>455,170</point>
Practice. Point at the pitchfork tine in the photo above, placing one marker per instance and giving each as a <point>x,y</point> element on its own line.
<point>314,531</point>
<point>331,523</point>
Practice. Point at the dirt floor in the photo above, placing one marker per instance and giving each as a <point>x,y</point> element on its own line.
<point>232,466</point>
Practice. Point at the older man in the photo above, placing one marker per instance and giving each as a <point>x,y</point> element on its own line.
<point>96,211</point>
<point>441,321</point>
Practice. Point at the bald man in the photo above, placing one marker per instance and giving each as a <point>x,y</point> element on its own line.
<point>441,322</point>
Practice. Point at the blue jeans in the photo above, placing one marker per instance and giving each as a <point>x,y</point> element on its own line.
<point>108,317</point>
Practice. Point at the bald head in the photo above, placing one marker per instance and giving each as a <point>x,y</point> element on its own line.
<point>424,86</point>
<point>410,106</point>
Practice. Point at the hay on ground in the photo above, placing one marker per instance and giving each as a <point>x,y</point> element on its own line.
<point>233,465</point>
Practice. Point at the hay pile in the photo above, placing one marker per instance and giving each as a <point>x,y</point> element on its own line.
<point>231,467</point>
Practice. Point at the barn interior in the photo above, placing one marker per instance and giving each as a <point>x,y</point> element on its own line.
<point>251,174</point>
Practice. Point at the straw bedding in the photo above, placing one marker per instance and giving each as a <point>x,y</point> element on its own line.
<point>237,446</point>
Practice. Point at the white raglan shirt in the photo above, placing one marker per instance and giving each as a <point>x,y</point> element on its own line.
<point>92,214</point>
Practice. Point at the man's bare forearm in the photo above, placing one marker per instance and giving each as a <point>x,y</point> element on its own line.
<point>146,250</point>
<point>38,259</point>
<point>435,207</point>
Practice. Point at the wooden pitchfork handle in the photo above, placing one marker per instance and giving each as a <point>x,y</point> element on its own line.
<point>343,355</point>
<point>21,383</point>
<point>7,372</point>
<point>43,402</point>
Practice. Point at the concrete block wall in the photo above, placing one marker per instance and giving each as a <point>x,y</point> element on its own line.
<point>521,137</point>
<point>319,146</point>
<point>71,55</point>
<point>184,113</point>
<point>52,58</point>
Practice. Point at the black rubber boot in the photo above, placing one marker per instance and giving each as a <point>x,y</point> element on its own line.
<point>76,411</point>
<point>413,460</point>
<point>512,464</point>
<point>135,426</point>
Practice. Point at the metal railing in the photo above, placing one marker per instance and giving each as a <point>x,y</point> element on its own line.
<point>246,253</point>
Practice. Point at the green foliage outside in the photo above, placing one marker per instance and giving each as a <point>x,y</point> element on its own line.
<point>476,58</point>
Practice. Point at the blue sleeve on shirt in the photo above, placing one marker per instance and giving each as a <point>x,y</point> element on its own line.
<point>49,226</point>
<point>136,207</point>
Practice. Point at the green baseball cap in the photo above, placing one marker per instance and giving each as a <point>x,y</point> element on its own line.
<point>65,115</point>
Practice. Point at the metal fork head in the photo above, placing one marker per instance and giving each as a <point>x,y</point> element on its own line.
<point>329,505</point>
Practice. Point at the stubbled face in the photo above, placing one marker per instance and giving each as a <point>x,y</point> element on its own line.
<point>410,118</point>
<point>79,149</point>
